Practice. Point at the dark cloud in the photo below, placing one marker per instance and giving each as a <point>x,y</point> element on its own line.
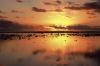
<point>44,10</point>
<point>17,17</point>
<point>94,6</point>
<point>19,1</point>
<point>83,27</point>
<point>58,10</point>
<point>38,51</point>
<point>88,6</point>
<point>76,8</point>
<point>98,0</point>
<point>2,12</point>
<point>38,9</point>
<point>10,26</point>
<point>2,17</point>
<point>58,2</point>
<point>70,5</point>
<point>16,11</point>
<point>48,3</point>
<point>53,3</point>
<point>58,27</point>
<point>6,25</point>
<point>77,27</point>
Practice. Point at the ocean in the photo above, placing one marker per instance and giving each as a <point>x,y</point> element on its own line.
<point>49,49</point>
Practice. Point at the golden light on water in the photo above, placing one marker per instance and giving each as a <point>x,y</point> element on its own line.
<point>58,43</point>
<point>68,44</point>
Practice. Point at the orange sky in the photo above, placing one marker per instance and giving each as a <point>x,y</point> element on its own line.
<point>21,12</point>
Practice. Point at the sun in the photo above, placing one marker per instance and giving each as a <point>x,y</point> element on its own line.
<point>59,18</point>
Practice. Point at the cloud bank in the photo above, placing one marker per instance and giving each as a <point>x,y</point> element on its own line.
<point>87,6</point>
<point>76,27</point>
<point>10,26</point>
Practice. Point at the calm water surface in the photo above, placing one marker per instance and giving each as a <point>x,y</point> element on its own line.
<point>49,50</point>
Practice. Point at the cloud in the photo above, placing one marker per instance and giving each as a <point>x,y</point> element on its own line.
<point>35,9</point>
<point>98,0</point>
<point>2,12</point>
<point>38,9</point>
<point>16,11</point>
<point>54,3</point>
<point>58,27</point>
<point>58,10</point>
<point>94,6</point>
<point>17,17</point>
<point>58,2</point>
<point>6,25</point>
<point>2,17</point>
<point>19,1</point>
<point>10,26</point>
<point>38,51</point>
<point>87,6</point>
<point>76,8</point>
<point>48,3</point>
<point>77,27</point>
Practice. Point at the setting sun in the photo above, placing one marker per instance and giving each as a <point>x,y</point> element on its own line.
<point>59,18</point>
<point>49,32</point>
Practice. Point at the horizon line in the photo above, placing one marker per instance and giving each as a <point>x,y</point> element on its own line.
<point>50,31</point>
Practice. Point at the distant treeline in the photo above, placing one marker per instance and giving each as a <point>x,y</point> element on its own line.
<point>28,35</point>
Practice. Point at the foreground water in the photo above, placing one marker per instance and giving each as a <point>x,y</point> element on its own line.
<point>48,49</point>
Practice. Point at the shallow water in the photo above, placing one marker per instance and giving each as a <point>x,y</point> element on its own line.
<point>48,50</point>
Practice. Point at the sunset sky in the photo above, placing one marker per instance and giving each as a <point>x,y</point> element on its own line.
<point>51,12</point>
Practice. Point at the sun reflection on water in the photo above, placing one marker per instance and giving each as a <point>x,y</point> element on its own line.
<point>51,49</point>
<point>58,43</point>
<point>69,44</point>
